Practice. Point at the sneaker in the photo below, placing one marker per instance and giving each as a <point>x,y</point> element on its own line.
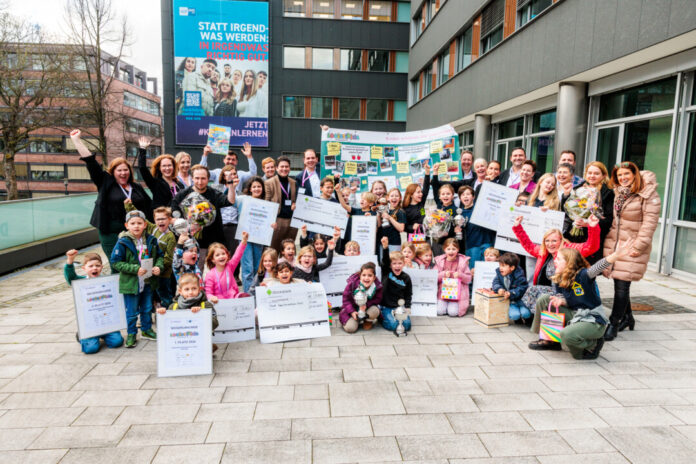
<point>131,341</point>
<point>594,354</point>
<point>149,334</point>
<point>545,345</point>
<point>215,347</point>
<point>367,325</point>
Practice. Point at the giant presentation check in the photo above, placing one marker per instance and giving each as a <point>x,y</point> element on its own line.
<point>536,222</point>
<point>319,215</point>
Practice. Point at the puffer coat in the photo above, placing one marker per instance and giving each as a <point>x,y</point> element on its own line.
<point>638,219</point>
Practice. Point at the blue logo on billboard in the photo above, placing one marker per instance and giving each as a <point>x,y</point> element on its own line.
<point>186,11</point>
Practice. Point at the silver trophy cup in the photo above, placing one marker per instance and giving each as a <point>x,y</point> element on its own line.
<point>381,209</point>
<point>459,222</point>
<point>360,298</point>
<point>401,313</point>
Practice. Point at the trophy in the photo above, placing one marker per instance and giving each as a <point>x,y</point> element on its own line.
<point>401,313</point>
<point>360,298</point>
<point>180,226</point>
<point>459,221</point>
<point>381,209</point>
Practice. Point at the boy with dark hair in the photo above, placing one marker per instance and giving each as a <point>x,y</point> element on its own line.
<point>510,283</point>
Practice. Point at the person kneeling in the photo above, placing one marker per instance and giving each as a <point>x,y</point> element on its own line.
<point>362,285</point>
<point>509,282</point>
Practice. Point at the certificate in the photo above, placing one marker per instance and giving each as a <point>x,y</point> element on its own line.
<point>292,312</point>
<point>492,200</point>
<point>146,264</point>
<point>99,307</point>
<point>484,274</point>
<point>236,320</point>
<point>334,277</point>
<point>219,138</point>
<point>184,344</point>
<point>364,231</point>
<point>536,222</point>
<point>424,299</point>
<point>255,218</point>
<point>319,215</point>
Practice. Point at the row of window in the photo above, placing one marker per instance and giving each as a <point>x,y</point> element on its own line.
<point>342,59</point>
<point>360,10</point>
<point>427,13</point>
<point>57,144</point>
<point>370,109</point>
<point>137,102</point>
<point>140,127</point>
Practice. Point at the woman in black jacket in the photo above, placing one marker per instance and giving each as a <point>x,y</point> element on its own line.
<point>113,187</point>
<point>161,178</point>
<point>414,203</point>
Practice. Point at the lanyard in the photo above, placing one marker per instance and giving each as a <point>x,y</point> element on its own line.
<point>283,188</point>
<point>141,247</point>
<point>306,176</point>
<point>128,192</point>
<point>173,189</point>
<point>227,275</point>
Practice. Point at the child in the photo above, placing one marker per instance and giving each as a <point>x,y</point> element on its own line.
<point>408,249</point>
<point>477,238</point>
<point>522,199</point>
<point>577,296</point>
<point>269,261</point>
<point>318,241</point>
<point>424,256</point>
<point>352,249</point>
<point>396,286</point>
<point>453,265</point>
<point>220,281</point>
<point>288,254</point>
<point>92,265</point>
<point>282,275</point>
<point>306,267</point>
<point>367,203</point>
<point>491,255</point>
<point>396,219</point>
<point>186,258</point>
<point>366,281</point>
<point>131,248</point>
<point>510,283</point>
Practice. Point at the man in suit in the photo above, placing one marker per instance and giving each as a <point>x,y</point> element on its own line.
<point>308,182</point>
<point>282,190</point>
<point>511,175</point>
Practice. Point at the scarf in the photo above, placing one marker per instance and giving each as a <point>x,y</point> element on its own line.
<point>306,270</point>
<point>622,194</point>
<point>369,291</point>
<point>188,303</point>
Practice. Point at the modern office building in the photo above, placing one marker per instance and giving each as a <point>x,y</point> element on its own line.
<point>612,80</point>
<point>338,62</point>
<point>50,164</point>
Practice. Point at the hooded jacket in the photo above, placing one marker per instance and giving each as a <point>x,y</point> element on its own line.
<point>464,276</point>
<point>638,219</point>
<point>349,306</point>
<point>124,260</point>
<point>518,283</point>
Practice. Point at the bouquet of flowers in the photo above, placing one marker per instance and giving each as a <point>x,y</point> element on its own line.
<point>437,223</point>
<point>198,210</point>
<point>581,204</point>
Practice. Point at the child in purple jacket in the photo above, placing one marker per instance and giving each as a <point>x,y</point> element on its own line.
<point>365,281</point>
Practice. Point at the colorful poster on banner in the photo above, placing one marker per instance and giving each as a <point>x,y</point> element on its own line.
<point>221,51</point>
<point>219,139</point>
<point>400,156</point>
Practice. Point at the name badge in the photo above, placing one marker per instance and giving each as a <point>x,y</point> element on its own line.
<point>288,202</point>
<point>301,190</point>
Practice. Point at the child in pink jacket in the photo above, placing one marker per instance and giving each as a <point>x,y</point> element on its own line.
<point>456,266</point>
<point>220,281</point>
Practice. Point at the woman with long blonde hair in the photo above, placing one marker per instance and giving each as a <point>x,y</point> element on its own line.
<point>226,100</point>
<point>545,195</point>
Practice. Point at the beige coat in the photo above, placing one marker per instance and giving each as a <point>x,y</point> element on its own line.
<point>638,220</point>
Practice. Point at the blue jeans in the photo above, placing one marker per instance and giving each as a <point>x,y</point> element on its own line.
<point>139,304</point>
<point>476,254</point>
<point>250,264</point>
<point>388,321</point>
<point>91,345</point>
<point>517,310</point>
<point>164,291</point>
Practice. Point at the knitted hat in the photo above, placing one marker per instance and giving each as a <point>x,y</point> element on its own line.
<point>135,213</point>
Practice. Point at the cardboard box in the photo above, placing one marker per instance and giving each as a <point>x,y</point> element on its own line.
<point>491,310</point>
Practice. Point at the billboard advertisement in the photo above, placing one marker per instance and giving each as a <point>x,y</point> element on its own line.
<point>221,77</point>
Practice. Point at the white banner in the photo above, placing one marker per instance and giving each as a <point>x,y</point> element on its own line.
<point>292,312</point>
<point>364,231</point>
<point>491,201</point>
<point>319,215</point>
<point>184,343</point>
<point>424,299</point>
<point>236,320</point>
<point>256,217</point>
<point>536,222</point>
<point>99,307</point>
<point>484,273</point>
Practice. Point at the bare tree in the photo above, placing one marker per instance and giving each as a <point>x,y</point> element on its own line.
<point>93,26</point>
<point>32,89</point>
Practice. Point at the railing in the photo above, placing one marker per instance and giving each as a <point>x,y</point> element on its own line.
<point>27,221</point>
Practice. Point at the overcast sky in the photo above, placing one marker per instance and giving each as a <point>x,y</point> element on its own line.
<point>143,18</point>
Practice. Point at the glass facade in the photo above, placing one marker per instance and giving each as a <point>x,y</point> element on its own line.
<point>349,108</point>
<point>321,107</point>
<point>351,60</point>
<point>293,107</point>
<point>377,110</point>
<point>294,57</point>
<point>644,99</point>
<point>322,58</point>
<point>378,60</point>
<point>351,9</point>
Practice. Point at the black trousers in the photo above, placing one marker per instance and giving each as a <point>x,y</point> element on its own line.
<point>622,301</point>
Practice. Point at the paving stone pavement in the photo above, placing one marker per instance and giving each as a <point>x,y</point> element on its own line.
<point>450,392</point>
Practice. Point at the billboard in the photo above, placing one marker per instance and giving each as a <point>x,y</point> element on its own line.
<point>220,70</point>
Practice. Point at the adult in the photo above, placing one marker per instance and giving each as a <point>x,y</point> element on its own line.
<point>251,103</point>
<point>493,171</point>
<point>114,186</point>
<point>231,158</point>
<point>526,184</point>
<point>237,81</point>
<point>214,80</point>
<point>308,182</point>
<point>413,205</point>
<point>467,160</point>
<point>230,214</point>
<point>262,78</point>
<point>564,177</point>
<point>214,231</point>
<point>183,163</point>
<point>268,166</point>
<point>161,177</point>
<point>200,82</point>
<point>468,176</point>
<point>636,212</point>
<point>228,71</point>
<point>225,100</point>
<point>596,177</point>
<point>568,157</point>
<point>545,196</point>
<point>187,66</point>
<point>511,175</point>
<point>480,169</point>
<point>282,190</point>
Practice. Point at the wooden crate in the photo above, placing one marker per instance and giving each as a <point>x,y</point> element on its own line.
<point>491,310</point>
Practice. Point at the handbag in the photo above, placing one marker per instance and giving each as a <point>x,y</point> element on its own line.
<point>552,324</point>
<point>416,236</point>
<point>450,289</point>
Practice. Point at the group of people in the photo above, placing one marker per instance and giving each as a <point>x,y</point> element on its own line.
<point>204,264</point>
<point>229,93</point>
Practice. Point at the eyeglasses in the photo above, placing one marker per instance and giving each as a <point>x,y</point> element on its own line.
<point>625,164</point>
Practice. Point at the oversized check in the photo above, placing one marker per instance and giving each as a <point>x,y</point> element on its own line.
<point>292,312</point>
<point>256,217</point>
<point>424,299</point>
<point>492,200</point>
<point>99,307</point>
<point>319,215</point>
<point>363,230</point>
<point>536,222</point>
<point>184,344</point>
<point>236,320</point>
<point>334,277</point>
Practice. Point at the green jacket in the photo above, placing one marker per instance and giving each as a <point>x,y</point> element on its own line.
<point>70,274</point>
<point>124,260</point>
<point>166,241</point>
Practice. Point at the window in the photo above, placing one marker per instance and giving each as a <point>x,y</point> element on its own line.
<point>464,50</point>
<point>349,108</point>
<point>466,140</point>
<point>379,10</point>
<point>46,144</point>
<point>529,9</point>
<point>293,107</point>
<point>142,127</point>
<point>78,173</point>
<point>542,140</point>
<point>47,172</point>
<point>428,80</point>
<point>687,206</point>
<point>401,65</point>
<point>403,12</point>
<point>491,40</point>
<point>492,25</point>
<point>351,60</point>
<point>153,151</point>
<point>79,65</point>
<point>352,9</point>
<point>542,122</point>
<point>37,62</point>
<point>433,6</point>
<point>322,58</point>
<point>400,111</point>
<point>294,8</point>
<point>443,65</point>
<point>322,107</point>
<point>137,102</point>
<point>644,99</point>
<point>294,57</point>
<point>323,8</point>
<point>510,129</point>
<point>378,60</point>
<point>377,110</point>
